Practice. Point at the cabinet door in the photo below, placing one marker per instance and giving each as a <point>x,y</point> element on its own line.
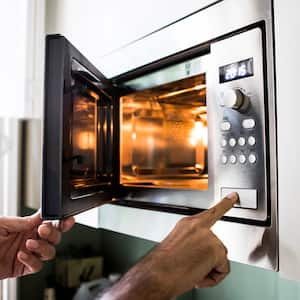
<point>78,141</point>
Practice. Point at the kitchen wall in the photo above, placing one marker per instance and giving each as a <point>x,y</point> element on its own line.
<point>243,283</point>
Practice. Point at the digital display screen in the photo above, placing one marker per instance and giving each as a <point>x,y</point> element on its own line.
<point>237,70</point>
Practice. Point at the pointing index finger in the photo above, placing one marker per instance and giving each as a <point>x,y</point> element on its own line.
<point>216,212</point>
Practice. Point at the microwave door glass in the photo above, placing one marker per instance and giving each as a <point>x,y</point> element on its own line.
<point>77,172</point>
<point>84,139</point>
<point>164,136</point>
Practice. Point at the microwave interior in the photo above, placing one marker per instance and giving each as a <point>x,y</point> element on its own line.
<point>162,130</point>
<point>163,136</point>
<point>161,139</point>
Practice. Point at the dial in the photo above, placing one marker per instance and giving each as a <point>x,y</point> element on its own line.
<point>234,99</point>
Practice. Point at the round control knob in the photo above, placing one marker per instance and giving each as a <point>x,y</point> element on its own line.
<point>234,98</point>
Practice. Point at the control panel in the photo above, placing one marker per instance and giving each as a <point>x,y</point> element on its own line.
<point>240,147</point>
<point>238,141</point>
<point>241,134</point>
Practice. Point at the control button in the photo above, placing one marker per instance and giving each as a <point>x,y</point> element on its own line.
<point>242,158</point>
<point>225,126</point>
<point>242,141</point>
<point>234,99</point>
<point>224,159</point>
<point>251,140</point>
<point>232,142</point>
<point>247,197</point>
<point>252,158</point>
<point>223,143</point>
<point>248,123</point>
<point>232,159</point>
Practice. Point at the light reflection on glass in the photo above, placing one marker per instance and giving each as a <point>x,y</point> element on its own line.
<point>84,135</point>
<point>86,140</point>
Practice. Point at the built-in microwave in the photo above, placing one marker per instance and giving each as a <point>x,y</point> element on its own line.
<point>175,134</point>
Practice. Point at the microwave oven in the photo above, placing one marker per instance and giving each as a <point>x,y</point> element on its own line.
<point>174,134</point>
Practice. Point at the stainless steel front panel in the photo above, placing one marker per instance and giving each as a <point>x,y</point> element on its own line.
<point>239,171</point>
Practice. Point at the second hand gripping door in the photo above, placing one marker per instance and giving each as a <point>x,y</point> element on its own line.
<point>78,133</point>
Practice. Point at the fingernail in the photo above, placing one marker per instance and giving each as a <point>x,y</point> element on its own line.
<point>32,244</point>
<point>23,255</point>
<point>233,196</point>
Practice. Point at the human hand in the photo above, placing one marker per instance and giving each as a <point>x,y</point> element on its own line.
<point>25,242</point>
<point>190,256</point>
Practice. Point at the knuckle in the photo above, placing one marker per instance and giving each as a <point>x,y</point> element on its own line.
<point>221,250</point>
<point>189,224</point>
<point>221,254</point>
<point>193,223</point>
<point>48,252</point>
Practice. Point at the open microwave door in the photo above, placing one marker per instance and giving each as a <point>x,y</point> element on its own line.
<point>78,133</point>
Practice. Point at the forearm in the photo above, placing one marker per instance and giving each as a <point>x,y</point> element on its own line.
<point>143,281</point>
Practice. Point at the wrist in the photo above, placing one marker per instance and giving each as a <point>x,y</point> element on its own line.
<point>160,275</point>
<point>144,281</point>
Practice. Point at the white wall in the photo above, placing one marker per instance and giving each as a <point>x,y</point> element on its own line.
<point>21,59</point>
<point>13,23</point>
<point>287,23</point>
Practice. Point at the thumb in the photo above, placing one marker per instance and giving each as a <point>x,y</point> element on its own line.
<point>18,224</point>
<point>35,219</point>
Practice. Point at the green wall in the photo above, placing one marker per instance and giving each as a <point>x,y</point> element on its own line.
<point>243,283</point>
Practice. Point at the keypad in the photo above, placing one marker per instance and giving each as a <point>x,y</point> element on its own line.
<point>238,148</point>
